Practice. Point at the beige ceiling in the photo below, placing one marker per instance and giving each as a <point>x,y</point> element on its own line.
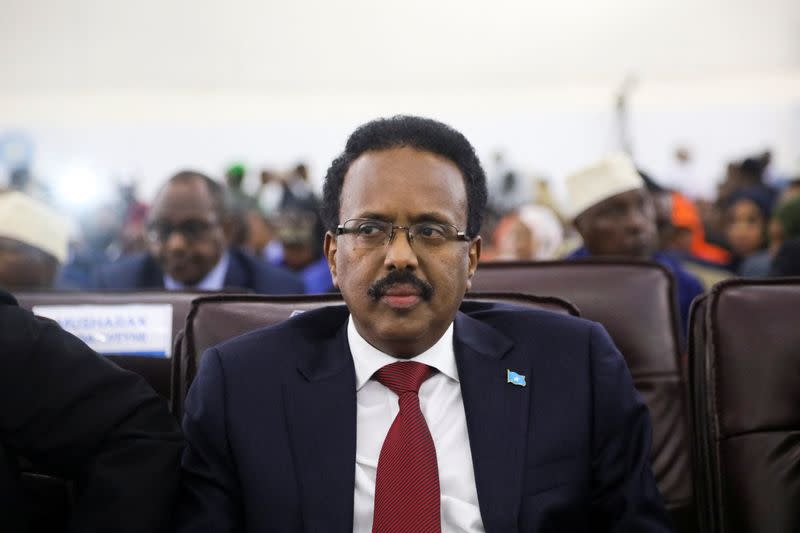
<point>297,45</point>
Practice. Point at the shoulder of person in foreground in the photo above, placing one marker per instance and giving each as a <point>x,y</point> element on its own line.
<point>79,416</point>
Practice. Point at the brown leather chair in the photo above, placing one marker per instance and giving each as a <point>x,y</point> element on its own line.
<point>156,370</point>
<point>214,319</point>
<point>636,302</point>
<point>745,382</point>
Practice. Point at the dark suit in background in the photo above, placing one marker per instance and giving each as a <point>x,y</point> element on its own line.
<point>141,271</point>
<point>80,417</point>
<point>272,431</point>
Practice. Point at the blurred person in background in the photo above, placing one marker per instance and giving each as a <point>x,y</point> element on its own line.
<point>302,234</point>
<point>747,174</point>
<point>234,180</point>
<point>262,239</point>
<point>747,214</point>
<point>238,204</point>
<point>787,259</point>
<point>616,217</point>
<point>132,233</point>
<point>790,191</point>
<point>532,233</point>
<point>685,214</point>
<point>681,235</point>
<point>783,227</point>
<point>22,180</point>
<point>290,190</point>
<point>97,244</point>
<point>33,242</point>
<point>189,240</point>
<point>508,189</point>
<point>785,223</point>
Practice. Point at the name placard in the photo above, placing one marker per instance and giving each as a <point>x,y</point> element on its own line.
<point>129,329</point>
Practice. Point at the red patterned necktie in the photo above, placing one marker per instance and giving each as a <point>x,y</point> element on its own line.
<point>407,496</point>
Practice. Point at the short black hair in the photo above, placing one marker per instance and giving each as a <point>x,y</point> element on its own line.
<point>215,189</point>
<point>753,169</point>
<point>413,132</point>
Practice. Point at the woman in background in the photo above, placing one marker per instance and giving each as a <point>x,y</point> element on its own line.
<point>746,215</point>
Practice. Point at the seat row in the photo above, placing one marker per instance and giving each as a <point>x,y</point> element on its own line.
<point>636,303</point>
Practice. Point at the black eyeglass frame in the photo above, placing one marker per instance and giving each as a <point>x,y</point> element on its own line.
<point>191,230</point>
<point>342,230</point>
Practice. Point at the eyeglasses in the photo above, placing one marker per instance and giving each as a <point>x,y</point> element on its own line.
<point>370,233</point>
<point>191,230</point>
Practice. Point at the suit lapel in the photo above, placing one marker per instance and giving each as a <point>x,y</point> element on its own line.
<point>497,419</point>
<point>321,415</point>
<point>237,276</point>
<point>150,275</point>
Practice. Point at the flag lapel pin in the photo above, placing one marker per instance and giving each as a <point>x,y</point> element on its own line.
<point>515,379</point>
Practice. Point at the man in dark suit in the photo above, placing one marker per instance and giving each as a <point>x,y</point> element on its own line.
<point>188,247</point>
<point>398,412</point>
<point>77,416</point>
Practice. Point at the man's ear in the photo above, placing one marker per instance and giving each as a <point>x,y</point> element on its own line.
<point>330,255</point>
<point>473,258</point>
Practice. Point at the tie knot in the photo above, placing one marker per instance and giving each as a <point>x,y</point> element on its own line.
<point>403,376</point>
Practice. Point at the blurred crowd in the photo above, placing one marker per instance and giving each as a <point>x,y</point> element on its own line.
<point>260,230</point>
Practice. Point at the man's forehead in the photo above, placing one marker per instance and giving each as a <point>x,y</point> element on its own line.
<point>400,159</point>
<point>375,171</point>
<point>183,200</point>
<point>184,192</point>
<point>632,195</point>
<point>404,183</point>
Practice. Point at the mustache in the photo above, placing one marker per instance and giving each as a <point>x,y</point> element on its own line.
<point>396,277</point>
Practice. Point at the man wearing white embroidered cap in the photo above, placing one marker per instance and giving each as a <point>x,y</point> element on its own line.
<point>615,215</point>
<point>33,242</point>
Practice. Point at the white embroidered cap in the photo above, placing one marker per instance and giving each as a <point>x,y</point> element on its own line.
<point>612,175</point>
<point>27,220</point>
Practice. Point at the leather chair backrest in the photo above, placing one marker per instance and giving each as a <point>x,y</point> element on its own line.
<point>745,382</point>
<point>214,319</point>
<point>636,301</point>
<point>156,370</point>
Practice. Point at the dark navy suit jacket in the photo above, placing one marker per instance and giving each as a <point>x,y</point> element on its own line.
<point>141,271</point>
<point>271,427</point>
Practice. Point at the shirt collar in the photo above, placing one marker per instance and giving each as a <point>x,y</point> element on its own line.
<point>214,280</point>
<point>368,359</point>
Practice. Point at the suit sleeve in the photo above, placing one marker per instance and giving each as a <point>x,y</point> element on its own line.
<point>77,415</point>
<point>210,499</point>
<point>97,279</point>
<point>624,493</point>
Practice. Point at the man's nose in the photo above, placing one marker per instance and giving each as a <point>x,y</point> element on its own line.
<point>637,220</point>
<point>175,240</point>
<point>399,253</point>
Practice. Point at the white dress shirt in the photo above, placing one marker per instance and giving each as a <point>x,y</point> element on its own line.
<point>441,404</point>
<point>214,280</point>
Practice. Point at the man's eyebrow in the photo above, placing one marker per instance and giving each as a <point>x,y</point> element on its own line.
<point>428,216</point>
<point>375,216</point>
<point>431,216</point>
